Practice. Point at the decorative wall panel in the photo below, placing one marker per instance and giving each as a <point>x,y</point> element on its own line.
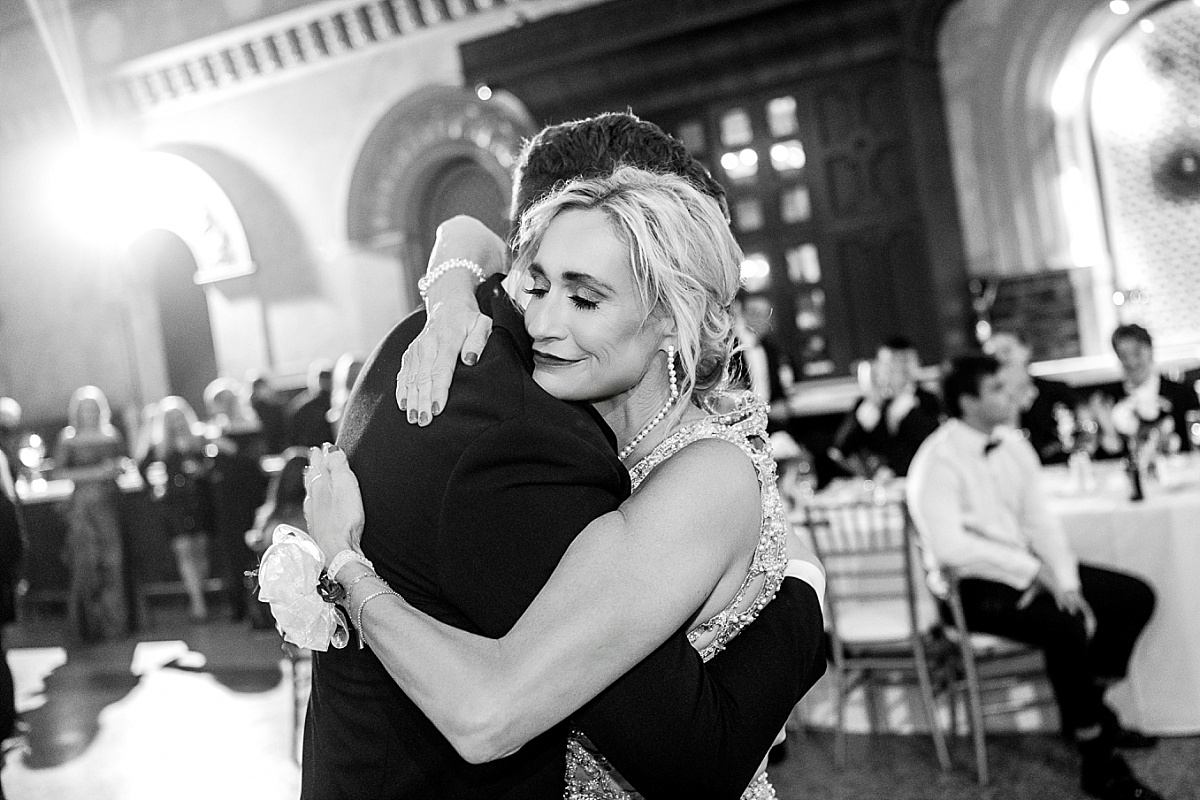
<point>1146,117</point>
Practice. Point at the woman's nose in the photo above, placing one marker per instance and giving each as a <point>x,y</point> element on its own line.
<point>543,318</point>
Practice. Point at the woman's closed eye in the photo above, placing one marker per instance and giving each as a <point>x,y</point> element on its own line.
<point>578,300</point>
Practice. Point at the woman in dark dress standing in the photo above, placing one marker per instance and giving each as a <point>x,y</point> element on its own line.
<point>238,483</point>
<point>90,453</point>
<point>177,468</point>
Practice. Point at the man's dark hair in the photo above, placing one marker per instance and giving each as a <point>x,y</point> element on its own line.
<point>897,343</point>
<point>1132,332</point>
<point>964,377</point>
<point>594,148</point>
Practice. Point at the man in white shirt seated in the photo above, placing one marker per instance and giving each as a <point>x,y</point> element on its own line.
<point>974,491</point>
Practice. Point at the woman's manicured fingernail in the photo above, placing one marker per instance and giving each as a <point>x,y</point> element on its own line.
<point>470,358</point>
<point>424,418</point>
<point>436,409</point>
<point>403,403</point>
<point>412,415</point>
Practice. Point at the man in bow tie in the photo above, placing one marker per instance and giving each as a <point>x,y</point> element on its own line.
<point>886,426</point>
<point>974,491</point>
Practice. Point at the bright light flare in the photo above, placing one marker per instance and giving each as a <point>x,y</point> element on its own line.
<point>109,193</point>
<point>756,272</point>
<point>92,190</point>
<point>1119,7</point>
<point>1082,217</point>
<point>1127,100</point>
<point>1070,88</point>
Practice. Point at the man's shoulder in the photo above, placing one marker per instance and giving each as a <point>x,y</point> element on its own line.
<point>941,445</point>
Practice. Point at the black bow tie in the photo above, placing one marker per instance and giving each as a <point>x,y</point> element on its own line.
<point>991,445</point>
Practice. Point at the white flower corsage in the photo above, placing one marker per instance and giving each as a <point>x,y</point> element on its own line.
<point>290,577</point>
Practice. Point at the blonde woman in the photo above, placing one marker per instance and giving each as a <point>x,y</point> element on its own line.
<point>90,453</point>
<point>626,283</point>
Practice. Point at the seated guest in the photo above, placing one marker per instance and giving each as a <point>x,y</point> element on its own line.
<point>284,506</point>
<point>1048,409</point>
<point>761,364</point>
<point>1142,394</point>
<point>894,416</point>
<point>974,491</point>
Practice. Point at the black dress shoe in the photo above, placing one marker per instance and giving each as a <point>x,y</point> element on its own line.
<point>1113,780</point>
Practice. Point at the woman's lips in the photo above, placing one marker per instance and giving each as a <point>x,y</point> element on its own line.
<point>548,360</point>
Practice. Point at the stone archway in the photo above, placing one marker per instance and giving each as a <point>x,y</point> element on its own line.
<point>187,239</point>
<point>438,152</point>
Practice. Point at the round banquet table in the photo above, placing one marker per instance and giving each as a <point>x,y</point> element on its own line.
<point>1157,539</point>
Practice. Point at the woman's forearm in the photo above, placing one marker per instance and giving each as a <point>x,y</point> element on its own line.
<point>628,582</point>
<point>463,237</point>
<point>598,616</point>
<point>454,677</point>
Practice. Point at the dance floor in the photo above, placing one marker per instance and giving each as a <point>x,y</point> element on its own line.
<point>200,711</point>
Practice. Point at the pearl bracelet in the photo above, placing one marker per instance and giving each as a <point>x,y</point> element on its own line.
<point>343,558</point>
<point>441,269</point>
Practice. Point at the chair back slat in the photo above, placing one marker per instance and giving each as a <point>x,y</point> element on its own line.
<point>868,550</point>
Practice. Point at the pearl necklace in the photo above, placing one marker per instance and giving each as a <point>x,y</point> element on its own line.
<point>627,449</point>
<point>673,382</point>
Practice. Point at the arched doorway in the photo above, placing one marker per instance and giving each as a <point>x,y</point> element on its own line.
<point>184,240</point>
<point>460,186</point>
<point>1145,106</point>
<point>169,267</point>
<point>440,151</point>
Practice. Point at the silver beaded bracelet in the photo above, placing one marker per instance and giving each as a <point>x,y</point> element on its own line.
<point>362,639</point>
<point>441,269</point>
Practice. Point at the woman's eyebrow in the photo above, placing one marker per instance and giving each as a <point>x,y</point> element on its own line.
<point>536,270</point>
<point>571,276</point>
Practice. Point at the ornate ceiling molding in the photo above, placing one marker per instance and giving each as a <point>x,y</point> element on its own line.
<point>249,54</point>
<point>298,42</point>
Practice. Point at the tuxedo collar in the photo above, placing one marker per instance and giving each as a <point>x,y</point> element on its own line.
<point>506,316</point>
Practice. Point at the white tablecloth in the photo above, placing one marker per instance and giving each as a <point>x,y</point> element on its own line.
<point>1157,539</point>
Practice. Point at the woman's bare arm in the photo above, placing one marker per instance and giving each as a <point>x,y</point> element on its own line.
<point>455,327</point>
<point>630,580</point>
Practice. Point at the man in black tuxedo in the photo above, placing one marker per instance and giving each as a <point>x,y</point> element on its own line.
<point>1142,385</point>
<point>467,518</point>
<point>892,419</point>
<point>1048,408</point>
<point>307,413</point>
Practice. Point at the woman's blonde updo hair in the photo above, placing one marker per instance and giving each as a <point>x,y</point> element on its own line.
<point>686,264</point>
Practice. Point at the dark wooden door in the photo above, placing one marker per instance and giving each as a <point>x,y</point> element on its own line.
<point>183,314</point>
